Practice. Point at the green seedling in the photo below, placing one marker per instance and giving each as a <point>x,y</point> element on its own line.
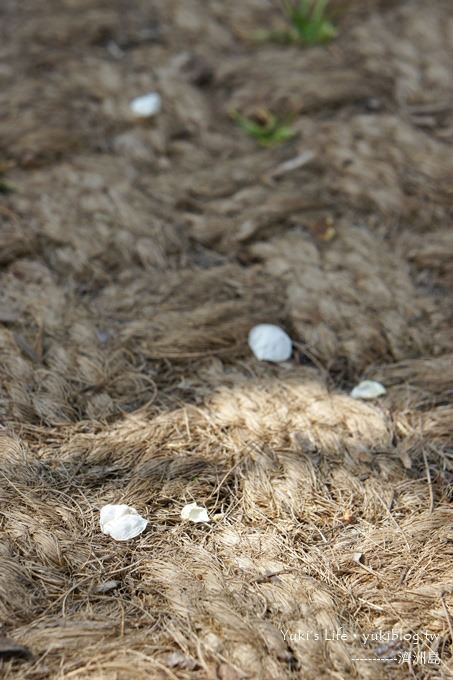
<point>6,187</point>
<point>308,21</point>
<point>266,128</point>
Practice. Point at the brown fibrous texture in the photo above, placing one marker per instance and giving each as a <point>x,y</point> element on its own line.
<point>135,257</point>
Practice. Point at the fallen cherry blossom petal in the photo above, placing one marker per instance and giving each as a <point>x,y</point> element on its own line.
<point>368,389</point>
<point>270,343</point>
<point>194,513</point>
<point>121,522</point>
<point>146,106</point>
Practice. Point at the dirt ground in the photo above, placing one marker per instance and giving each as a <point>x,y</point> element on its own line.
<point>135,257</point>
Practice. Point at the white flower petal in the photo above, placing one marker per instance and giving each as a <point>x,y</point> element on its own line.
<point>270,343</point>
<point>194,513</point>
<point>368,389</point>
<point>112,512</point>
<point>126,527</point>
<point>187,509</point>
<point>146,106</point>
<point>121,522</point>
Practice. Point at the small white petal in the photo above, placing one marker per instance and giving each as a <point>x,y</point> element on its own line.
<point>270,343</point>
<point>187,509</point>
<point>368,389</point>
<point>194,513</point>
<point>106,586</point>
<point>121,522</point>
<point>146,106</point>
<point>126,527</point>
<point>113,512</point>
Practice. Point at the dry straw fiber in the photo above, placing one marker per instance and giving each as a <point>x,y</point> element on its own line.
<point>135,257</point>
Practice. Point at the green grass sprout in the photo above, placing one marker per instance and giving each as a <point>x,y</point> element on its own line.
<point>265,127</point>
<point>309,20</point>
<point>309,24</point>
